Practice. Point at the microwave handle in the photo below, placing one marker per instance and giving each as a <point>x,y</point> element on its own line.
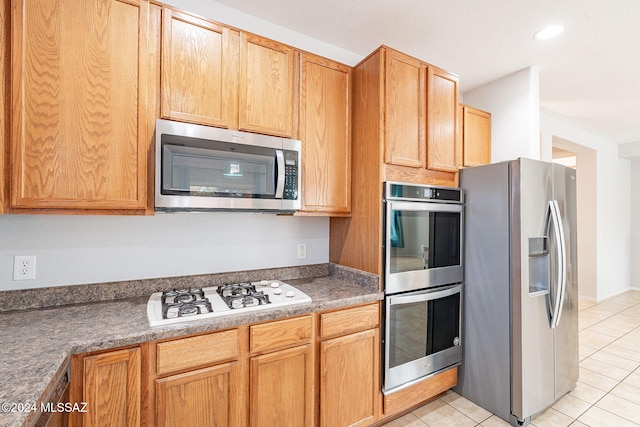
<point>280,174</point>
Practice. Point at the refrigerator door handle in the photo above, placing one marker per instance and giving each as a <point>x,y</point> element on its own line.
<point>563,259</point>
<point>561,280</point>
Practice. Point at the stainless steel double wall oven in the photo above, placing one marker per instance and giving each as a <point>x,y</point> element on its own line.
<point>423,274</point>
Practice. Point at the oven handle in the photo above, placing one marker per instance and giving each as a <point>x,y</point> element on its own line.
<point>395,205</point>
<point>425,295</point>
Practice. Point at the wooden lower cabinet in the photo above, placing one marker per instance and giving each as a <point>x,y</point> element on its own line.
<point>347,391</point>
<point>281,373</point>
<point>198,381</point>
<point>312,370</point>
<point>111,388</point>
<point>282,388</point>
<point>205,397</point>
<point>349,367</point>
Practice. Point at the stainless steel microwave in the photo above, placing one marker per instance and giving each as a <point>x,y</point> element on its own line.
<point>206,168</point>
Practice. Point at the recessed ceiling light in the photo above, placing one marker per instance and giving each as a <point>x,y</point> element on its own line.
<point>548,32</point>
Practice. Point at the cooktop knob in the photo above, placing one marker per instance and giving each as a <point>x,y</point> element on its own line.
<point>263,282</point>
<point>275,285</point>
<point>277,291</point>
<point>291,294</point>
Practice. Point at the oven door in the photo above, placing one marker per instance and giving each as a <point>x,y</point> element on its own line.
<point>422,334</point>
<point>422,245</point>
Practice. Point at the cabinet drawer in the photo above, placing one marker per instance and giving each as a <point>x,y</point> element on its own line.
<point>348,321</point>
<point>280,334</point>
<point>186,353</point>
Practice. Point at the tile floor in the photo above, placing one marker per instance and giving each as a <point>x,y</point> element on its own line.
<point>608,391</point>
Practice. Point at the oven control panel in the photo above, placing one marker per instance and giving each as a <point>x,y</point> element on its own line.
<point>424,193</point>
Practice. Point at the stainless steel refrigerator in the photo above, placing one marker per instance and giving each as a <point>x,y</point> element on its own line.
<point>520,308</point>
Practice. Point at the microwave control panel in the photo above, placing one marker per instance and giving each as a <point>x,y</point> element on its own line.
<point>290,175</point>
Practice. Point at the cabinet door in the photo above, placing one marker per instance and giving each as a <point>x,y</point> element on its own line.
<point>325,131</point>
<point>202,398</point>
<point>282,388</point>
<point>79,111</point>
<point>348,388</point>
<point>267,86</point>
<point>405,103</point>
<point>476,137</point>
<point>111,388</point>
<point>442,111</point>
<point>200,69</point>
<point>4,73</point>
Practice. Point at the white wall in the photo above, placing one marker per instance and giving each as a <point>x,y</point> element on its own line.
<point>91,249</point>
<point>630,150</point>
<point>514,104</point>
<point>613,207</point>
<point>635,224</point>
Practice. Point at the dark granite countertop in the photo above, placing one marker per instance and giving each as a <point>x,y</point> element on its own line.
<point>35,344</point>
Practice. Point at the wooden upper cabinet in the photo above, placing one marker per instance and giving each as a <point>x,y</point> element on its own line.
<point>217,76</point>
<point>79,108</point>
<point>199,70</point>
<point>405,102</point>
<point>442,108</point>
<point>476,139</point>
<point>268,80</point>
<point>111,388</point>
<point>4,75</point>
<point>325,131</point>
<point>420,116</point>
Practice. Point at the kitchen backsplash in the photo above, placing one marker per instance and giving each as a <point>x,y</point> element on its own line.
<point>64,295</point>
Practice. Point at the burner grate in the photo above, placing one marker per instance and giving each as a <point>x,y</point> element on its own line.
<point>241,295</point>
<point>184,303</point>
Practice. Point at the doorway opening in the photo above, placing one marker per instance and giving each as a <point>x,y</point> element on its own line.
<point>583,160</point>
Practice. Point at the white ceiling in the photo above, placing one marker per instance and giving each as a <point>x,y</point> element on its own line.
<point>589,75</point>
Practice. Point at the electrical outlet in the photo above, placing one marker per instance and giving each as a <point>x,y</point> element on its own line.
<point>302,250</point>
<point>24,267</point>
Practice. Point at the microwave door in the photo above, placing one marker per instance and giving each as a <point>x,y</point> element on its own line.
<point>199,177</point>
<point>216,172</point>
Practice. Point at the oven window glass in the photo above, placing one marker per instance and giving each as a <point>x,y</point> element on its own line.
<point>420,329</point>
<point>424,239</point>
<point>196,171</point>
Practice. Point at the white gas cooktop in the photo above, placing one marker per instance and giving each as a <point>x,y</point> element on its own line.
<point>182,305</point>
